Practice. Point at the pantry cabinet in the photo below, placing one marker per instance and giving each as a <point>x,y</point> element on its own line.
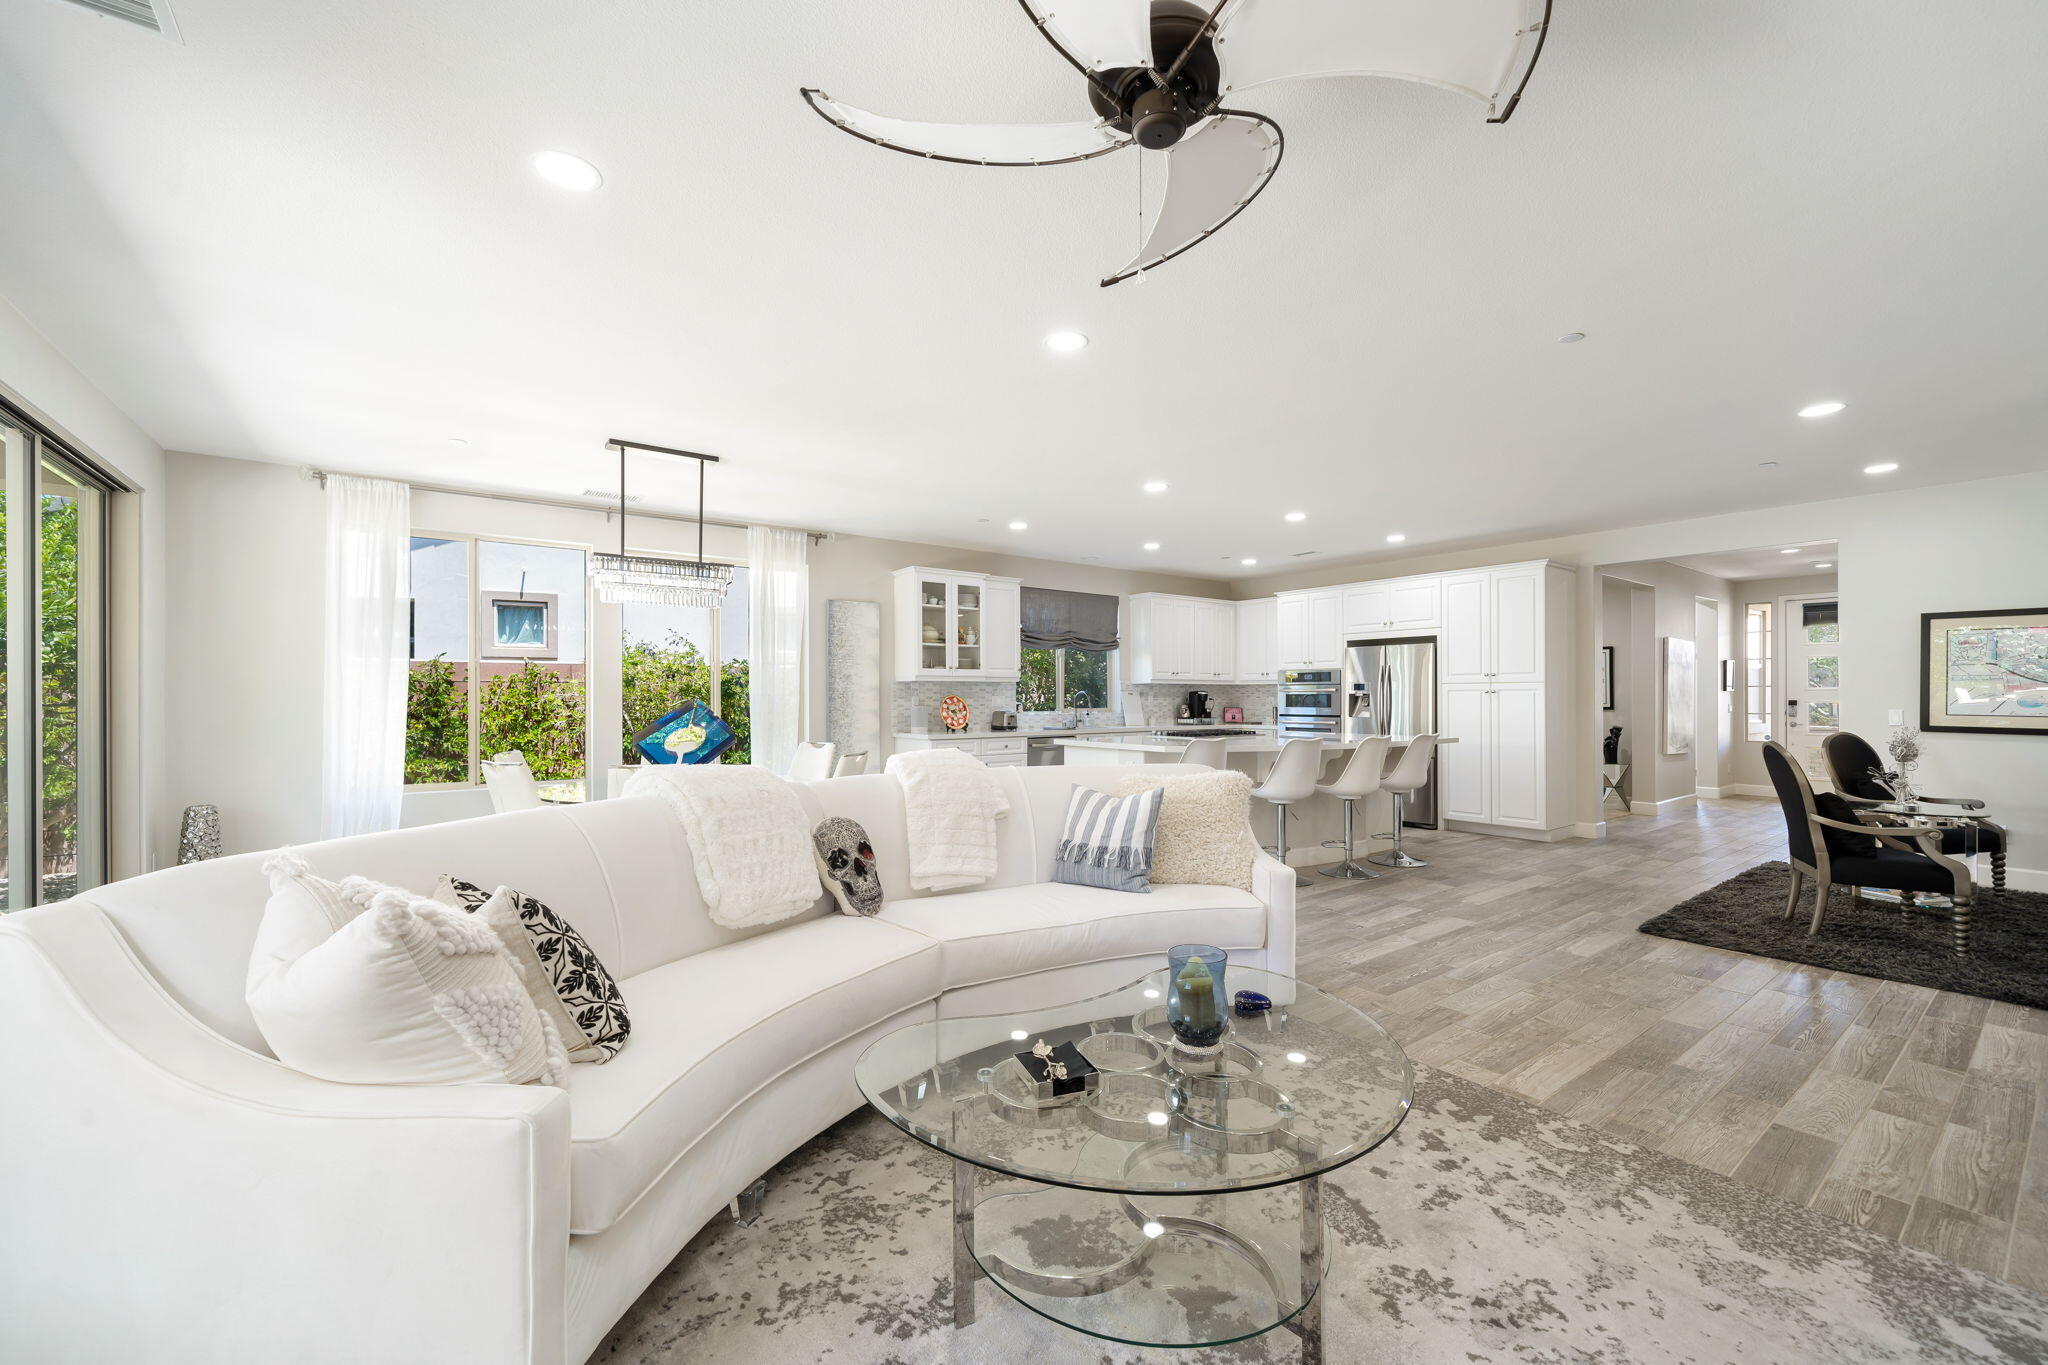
<point>956,626</point>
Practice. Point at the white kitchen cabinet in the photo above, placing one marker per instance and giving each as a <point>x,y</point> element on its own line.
<point>1179,639</point>
<point>1006,752</point>
<point>1413,604</point>
<point>1258,640</point>
<point>1368,606</point>
<point>1505,644</point>
<point>956,626</point>
<point>1311,628</point>
<point>1391,605</point>
<point>1495,773</point>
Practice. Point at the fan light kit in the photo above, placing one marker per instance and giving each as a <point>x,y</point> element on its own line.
<point>1064,342</point>
<point>1157,73</point>
<point>645,580</point>
<point>1887,467</point>
<point>567,172</point>
<point>1827,409</point>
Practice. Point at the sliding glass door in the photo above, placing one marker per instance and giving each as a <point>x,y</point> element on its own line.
<point>53,522</point>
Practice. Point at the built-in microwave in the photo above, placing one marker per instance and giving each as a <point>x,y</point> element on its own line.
<point>1309,700</point>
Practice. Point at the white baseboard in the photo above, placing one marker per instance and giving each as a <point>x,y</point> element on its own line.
<point>1590,829</point>
<point>1707,793</point>
<point>1742,789</point>
<point>1660,807</point>
<point>1541,836</point>
<point>2018,878</point>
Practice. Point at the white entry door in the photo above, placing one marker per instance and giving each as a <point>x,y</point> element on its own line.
<point>1811,678</point>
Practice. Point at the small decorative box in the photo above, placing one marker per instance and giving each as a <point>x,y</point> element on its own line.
<point>1058,1072</point>
<point>1250,1002</point>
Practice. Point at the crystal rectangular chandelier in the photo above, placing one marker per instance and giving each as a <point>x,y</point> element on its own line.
<point>646,580</point>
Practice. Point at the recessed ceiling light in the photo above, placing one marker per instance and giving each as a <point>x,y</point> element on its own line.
<point>1018,525</point>
<point>1064,342</point>
<point>1297,516</point>
<point>567,172</point>
<point>1884,468</point>
<point>1793,551</point>
<point>1156,486</point>
<point>1824,564</point>
<point>1569,337</point>
<point>1151,544</point>
<point>457,441</point>
<point>1827,409</point>
<point>1247,562</point>
<point>1396,538</point>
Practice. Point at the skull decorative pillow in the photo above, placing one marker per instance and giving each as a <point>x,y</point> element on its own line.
<point>846,860</point>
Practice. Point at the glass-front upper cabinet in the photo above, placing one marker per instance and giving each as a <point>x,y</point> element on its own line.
<point>955,626</point>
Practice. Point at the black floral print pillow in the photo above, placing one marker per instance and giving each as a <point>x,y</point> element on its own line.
<point>589,1012</point>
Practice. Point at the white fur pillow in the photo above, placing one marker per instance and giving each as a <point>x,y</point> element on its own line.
<point>365,983</point>
<point>1205,828</point>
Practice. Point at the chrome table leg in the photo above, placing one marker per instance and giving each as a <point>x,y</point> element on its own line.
<point>965,1271</point>
<point>1308,1323</point>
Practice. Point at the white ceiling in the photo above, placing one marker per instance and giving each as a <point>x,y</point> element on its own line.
<point>310,234</point>
<point>1769,561</point>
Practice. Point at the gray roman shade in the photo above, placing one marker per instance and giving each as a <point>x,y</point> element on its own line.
<point>1068,620</point>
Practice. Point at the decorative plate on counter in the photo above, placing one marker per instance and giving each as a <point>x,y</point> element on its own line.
<point>953,713</point>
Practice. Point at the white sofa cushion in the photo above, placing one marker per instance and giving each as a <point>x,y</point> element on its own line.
<point>710,1030</point>
<point>367,984</point>
<point>1012,930</point>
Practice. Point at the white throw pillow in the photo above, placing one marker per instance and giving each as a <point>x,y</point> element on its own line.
<point>365,983</point>
<point>1205,832</point>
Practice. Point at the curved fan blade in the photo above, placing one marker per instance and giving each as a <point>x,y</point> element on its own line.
<point>1211,176</point>
<point>1097,35</point>
<point>973,144</point>
<point>1482,48</point>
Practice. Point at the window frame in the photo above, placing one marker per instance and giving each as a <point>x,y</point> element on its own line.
<point>477,599</point>
<point>1759,670</point>
<point>1059,675</point>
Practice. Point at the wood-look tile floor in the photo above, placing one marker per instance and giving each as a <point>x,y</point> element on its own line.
<point>1918,1114</point>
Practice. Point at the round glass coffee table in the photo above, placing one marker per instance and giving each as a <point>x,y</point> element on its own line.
<point>1178,1202</point>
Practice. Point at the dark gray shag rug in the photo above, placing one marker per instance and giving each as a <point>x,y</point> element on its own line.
<point>1486,1229</point>
<point>2008,958</point>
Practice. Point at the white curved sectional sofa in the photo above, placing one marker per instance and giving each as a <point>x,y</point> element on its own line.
<point>173,1193</point>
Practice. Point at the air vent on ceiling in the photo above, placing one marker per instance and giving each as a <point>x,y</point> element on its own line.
<point>1304,554</point>
<point>154,15</point>
<point>609,495</point>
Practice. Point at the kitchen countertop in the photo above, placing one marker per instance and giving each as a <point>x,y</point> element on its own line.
<point>1069,732</point>
<point>1243,744</point>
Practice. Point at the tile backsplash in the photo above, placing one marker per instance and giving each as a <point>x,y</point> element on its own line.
<point>981,698</point>
<point>1162,701</point>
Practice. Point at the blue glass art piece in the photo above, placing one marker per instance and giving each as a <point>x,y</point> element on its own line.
<point>691,733</point>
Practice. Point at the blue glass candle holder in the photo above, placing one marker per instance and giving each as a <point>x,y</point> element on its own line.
<point>1195,995</point>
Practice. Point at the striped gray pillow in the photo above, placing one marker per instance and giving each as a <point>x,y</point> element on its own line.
<point>1107,841</point>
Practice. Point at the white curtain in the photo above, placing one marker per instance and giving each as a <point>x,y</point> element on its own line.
<point>362,768</point>
<point>779,602</point>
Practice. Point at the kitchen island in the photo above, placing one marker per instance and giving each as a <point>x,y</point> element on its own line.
<point>1315,819</point>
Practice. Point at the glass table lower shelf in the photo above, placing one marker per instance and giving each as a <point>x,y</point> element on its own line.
<point>1148,1270</point>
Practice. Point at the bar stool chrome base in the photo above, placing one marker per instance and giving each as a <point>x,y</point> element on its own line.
<point>1349,871</point>
<point>1395,856</point>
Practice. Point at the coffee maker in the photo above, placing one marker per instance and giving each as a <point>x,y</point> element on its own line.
<point>1195,708</point>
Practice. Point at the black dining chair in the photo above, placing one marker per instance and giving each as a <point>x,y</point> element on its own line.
<point>1825,842</point>
<point>1853,766</point>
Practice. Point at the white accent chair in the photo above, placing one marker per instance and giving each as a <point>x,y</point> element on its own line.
<point>812,761</point>
<point>1207,753</point>
<point>1411,770</point>
<point>510,782</point>
<point>174,1193</point>
<point>1292,778</point>
<point>1359,779</point>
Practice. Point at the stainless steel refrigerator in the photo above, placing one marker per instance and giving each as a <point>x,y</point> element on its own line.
<point>1390,689</point>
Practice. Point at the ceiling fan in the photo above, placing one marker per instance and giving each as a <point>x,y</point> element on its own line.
<point>1159,70</point>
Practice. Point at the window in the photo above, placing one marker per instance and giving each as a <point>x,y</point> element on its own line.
<point>671,656</point>
<point>53,528</point>
<point>1756,664</point>
<point>523,686</point>
<point>1064,679</point>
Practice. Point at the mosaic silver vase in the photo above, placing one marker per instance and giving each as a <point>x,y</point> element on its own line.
<point>199,834</point>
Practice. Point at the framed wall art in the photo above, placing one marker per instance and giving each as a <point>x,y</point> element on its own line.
<point>1984,672</point>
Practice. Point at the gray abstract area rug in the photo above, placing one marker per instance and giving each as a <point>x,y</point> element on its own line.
<point>1488,1229</point>
<point>2008,957</point>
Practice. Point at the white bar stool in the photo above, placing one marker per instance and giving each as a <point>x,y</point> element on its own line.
<point>812,761</point>
<point>1293,778</point>
<point>1210,753</point>
<point>851,765</point>
<point>1360,779</point>
<point>1411,770</point>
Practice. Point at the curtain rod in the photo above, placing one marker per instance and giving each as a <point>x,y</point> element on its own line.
<point>319,476</point>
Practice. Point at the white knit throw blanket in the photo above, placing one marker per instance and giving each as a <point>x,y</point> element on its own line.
<point>749,838</point>
<point>951,800</point>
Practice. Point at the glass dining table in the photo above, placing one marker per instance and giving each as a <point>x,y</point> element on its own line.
<point>1924,817</point>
